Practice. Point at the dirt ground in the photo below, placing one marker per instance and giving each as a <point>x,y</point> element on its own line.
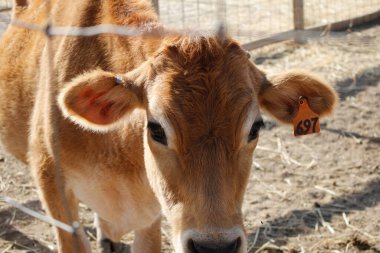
<point>319,193</point>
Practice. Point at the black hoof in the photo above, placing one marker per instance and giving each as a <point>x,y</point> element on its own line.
<point>108,246</point>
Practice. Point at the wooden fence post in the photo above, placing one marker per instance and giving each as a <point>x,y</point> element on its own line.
<point>298,20</point>
<point>156,6</point>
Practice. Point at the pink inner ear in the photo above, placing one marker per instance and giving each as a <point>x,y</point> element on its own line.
<point>86,93</point>
<point>104,112</point>
<point>94,98</point>
<point>94,107</point>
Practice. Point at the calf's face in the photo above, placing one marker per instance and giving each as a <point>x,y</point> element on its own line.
<point>202,99</point>
<point>203,122</point>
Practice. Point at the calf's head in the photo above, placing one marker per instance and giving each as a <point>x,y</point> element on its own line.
<point>202,98</point>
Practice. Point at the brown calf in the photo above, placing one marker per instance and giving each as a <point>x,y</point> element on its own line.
<point>172,136</point>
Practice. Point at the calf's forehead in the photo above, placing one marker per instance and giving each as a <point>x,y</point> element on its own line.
<point>205,101</point>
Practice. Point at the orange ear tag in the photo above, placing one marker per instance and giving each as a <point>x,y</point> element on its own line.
<point>306,121</point>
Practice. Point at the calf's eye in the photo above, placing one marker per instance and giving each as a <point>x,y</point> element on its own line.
<point>254,132</point>
<point>157,133</point>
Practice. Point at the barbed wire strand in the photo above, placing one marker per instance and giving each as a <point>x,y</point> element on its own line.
<point>130,31</point>
<point>50,30</point>
<point>12,202</point>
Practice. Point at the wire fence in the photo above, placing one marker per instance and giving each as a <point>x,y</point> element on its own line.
<point>251,21</point>
<point>5,15</point>
<point>248,21</point>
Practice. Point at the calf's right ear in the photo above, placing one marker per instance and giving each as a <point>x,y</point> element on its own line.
<point>99,100</point>
<point>281,92</point>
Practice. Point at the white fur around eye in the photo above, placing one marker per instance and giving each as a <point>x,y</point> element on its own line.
<point>157,115</point>
<point>252,114</point>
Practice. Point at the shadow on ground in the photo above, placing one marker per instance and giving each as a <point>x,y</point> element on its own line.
<point>18,239</point>
<point>361,81</point>
<point>303,221</point>
<point>353,135</point>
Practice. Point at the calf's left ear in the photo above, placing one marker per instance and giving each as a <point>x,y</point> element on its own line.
<point>98,100</point>
<point>280,93</point>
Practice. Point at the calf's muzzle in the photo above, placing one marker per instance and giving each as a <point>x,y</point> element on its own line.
<point>212,247</point>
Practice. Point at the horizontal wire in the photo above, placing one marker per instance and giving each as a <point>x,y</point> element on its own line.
<point>50,30</point>
<point>70,229</point>
<point>148,30</point>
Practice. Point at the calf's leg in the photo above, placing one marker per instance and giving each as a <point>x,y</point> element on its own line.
<point>43,171</point>
<point>148,240</point>
<point>108,237</point>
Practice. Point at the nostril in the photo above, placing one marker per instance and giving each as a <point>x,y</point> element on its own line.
<point>191,246</point>
<point>213,247</point>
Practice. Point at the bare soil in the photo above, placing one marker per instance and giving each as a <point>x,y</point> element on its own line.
<point>318,193</point>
